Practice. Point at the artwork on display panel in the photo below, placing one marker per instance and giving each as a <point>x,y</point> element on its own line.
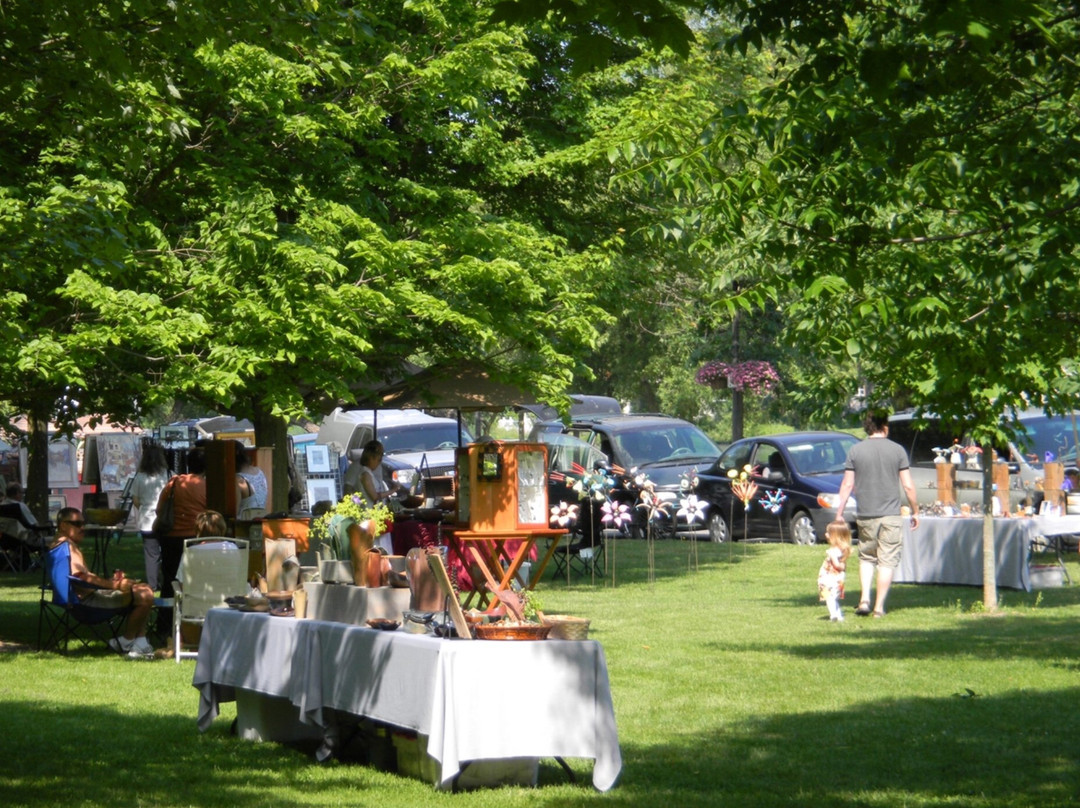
<point>63,465</point>
<point>174,434</point>
<point>118,459</point>
<point>320,490</point>
<point>318,459</point>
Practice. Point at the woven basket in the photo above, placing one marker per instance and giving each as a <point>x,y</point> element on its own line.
<point>565,627</point>
<point>496,631</point>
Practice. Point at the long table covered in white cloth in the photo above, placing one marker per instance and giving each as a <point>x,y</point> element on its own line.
<point>945,550</point>
<point>453,691</point>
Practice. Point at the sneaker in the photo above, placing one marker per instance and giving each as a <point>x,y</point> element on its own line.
<point>140,648</point>
<point>120,645</point>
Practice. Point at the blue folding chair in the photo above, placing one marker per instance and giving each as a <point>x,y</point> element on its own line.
<point>62,617</point>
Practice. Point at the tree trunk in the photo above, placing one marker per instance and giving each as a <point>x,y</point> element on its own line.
<point>989,555</point>
<point>37,472</point>
<point>737,417</point>
<point>273,430</point>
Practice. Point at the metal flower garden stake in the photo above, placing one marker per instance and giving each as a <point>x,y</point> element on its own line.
<point>773,502</point>
<point>692,509</point>
<point>616,515</point>
<point>565,516</point>
<point>655,509</point>
<point>744,488</point>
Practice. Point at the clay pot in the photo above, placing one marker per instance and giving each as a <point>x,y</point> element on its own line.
<point>361,540</point>
<point>426,594</point>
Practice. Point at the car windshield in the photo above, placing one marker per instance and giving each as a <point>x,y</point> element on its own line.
<point>824,456</point>
<point>675,442</point>
<point>1049,436</point>
<point>422,437</point>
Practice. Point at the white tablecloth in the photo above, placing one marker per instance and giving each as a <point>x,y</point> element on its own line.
<point>949,551</point>
<point>474,700</point>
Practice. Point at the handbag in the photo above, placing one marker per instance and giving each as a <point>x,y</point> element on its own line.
<point>166,515</point>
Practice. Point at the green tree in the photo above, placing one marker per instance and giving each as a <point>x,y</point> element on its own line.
<point>268,207</point>
<point>908,170</point>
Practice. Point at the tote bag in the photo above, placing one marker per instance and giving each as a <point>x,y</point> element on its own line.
<point>166,516</point>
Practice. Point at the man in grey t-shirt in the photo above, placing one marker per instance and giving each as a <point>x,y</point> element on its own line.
<point>872,471</point>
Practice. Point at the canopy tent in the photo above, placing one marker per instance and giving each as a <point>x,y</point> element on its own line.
<point>465,387</point>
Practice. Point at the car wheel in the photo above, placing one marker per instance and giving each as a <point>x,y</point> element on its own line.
<point>802,528</point>
<point>718,529</point>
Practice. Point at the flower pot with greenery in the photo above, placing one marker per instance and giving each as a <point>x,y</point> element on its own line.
<point>347,532</point>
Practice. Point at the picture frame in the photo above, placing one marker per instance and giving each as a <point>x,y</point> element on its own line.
<point>55,505</point>
<point>63,464</point>
<point>174,434</point>
<point>321,489</point>
<point>318,458</point>
<point>117,458</point>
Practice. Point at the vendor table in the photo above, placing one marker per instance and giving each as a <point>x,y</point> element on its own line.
<point>438,688</point>
<point>946,550</point>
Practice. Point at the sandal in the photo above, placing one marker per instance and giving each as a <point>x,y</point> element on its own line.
<point>878,614</point>
<point>863,610</point>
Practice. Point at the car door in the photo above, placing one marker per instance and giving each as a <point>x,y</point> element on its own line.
<point>714,485</point>
<point>771,473</point>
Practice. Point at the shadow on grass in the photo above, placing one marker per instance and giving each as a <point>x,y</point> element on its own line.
<point>1013,749</point>
<point>63,754</point>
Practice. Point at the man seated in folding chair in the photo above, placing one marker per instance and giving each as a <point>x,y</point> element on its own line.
<point>116,593</point>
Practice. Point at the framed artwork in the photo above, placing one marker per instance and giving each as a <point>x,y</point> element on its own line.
<point>55,504</point>
<point>318,458</point>
<point>118,459</point>
<point>319,490</point>
<point>173,434</point>
<point>63,465</point>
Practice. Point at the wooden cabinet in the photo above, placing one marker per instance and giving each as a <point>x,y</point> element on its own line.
<point>502,486</point>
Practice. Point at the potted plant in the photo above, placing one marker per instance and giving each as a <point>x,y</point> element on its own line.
<point>347,532</point>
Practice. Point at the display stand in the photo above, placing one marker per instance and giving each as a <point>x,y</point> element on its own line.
<point>501,497</point>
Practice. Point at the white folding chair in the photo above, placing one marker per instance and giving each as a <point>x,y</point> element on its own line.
<point>212,569</point>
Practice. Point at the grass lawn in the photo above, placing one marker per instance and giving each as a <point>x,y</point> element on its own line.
<point>730,688</point>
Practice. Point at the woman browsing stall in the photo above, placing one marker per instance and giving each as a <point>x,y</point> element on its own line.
<point>373,487</point>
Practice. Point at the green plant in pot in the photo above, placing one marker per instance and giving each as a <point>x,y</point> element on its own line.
<point>348,530</point>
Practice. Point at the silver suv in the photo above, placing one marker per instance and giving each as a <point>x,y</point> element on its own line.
<point>1043,436</point>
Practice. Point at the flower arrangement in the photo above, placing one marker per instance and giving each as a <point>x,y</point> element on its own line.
<point>754,375</point>
<point>352,507</point>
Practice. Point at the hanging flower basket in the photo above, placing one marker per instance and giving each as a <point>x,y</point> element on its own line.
<point>753,375</point>
<point>714,375</point>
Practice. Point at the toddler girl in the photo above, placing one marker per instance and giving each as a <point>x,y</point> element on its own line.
<point>830,577</point>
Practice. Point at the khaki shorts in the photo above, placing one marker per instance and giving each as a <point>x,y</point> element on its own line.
<point>106,599</point>
<point>880,540</point>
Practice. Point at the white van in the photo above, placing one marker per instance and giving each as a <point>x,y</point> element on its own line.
<point>1043,436</point>
<point>416,444</point>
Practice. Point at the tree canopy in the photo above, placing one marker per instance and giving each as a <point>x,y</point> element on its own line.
<point>269,203</point>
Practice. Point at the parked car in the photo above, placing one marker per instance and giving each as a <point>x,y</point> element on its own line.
<point>664,448</point>
<point>1041,435</point>
<point>804,467</point>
